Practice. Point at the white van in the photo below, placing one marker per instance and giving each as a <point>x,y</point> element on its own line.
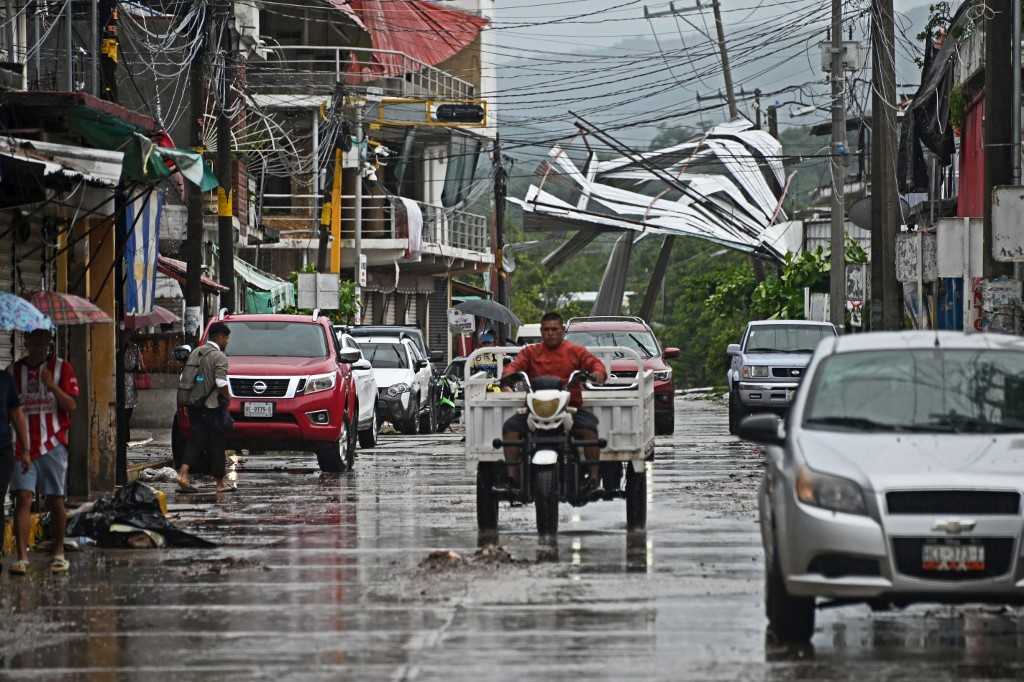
<point>527,334</point>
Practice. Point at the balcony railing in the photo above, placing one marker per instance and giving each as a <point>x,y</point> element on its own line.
<point>311,70</point>
<point>444,227</point>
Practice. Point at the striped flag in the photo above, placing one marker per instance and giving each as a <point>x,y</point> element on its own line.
<point>142,227</point>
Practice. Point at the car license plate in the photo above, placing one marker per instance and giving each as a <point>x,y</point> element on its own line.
<point>258,410</point>
<point>941,557</point>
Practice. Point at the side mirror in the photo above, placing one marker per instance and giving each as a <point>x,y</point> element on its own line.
<point>670,353</point>
<point>349,356</point>
<point>766,429</point>
<point>438,356</point>
<point>181,353</point>
<point>363,365</point>
<point>422,364</point>
<point>733,349</point>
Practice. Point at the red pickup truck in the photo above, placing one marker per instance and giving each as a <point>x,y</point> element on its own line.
<point>291,387</point>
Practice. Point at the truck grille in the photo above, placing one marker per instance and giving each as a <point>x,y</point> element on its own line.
<point>245,388</point>
<point>787,372</point>
<point>998,557</point>
<point>953,502</point>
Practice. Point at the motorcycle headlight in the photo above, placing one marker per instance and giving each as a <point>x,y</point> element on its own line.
<point>754,372</point>
<point>544,408</point>
<point>663,375</point>
<point>829,492</point>
<point>397,390</point>
<point>321,382</point>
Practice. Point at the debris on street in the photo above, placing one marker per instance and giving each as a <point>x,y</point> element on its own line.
<point>131,518</point>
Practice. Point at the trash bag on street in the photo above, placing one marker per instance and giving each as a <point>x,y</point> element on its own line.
<point>137,506</point>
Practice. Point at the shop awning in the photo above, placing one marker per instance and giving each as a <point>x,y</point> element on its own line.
<point>178,271</point>
<point>30,165</point>
<point>265,293</point>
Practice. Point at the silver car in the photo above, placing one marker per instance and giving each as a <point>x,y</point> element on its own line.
<point>767,365</point>
<point>896,477</point>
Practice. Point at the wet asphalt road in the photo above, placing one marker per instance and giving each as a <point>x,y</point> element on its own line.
<point>326,579</point>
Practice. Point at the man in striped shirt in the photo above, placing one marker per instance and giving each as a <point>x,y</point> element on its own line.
<point>48,390</point>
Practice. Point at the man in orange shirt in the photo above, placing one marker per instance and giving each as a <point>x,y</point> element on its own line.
<point>555,357</point>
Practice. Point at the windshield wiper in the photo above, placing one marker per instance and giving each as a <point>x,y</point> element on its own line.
<point>963,422</point>
<point>643,348</point>
<point>852,423</point>
<point>764,350</point>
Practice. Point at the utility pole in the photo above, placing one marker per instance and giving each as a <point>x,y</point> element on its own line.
<point>194,199</point>
<point>722,48</point>
<point>773,121</point>
<point>999,143</point>
<point>358,213</point>
<point>109,52</point>
<point>837,279</point>
<point>886,303</point>
<point>225,171</point>
<point>500,191</point>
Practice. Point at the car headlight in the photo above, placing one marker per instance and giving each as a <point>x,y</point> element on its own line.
<point>829,492</point>
<point>663,375</point>
<point>321,382</point>
<point>396,391</point>
<point>545,408</point>
<point>754,372</point>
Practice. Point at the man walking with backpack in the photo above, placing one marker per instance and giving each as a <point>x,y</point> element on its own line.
<point>203,391</point>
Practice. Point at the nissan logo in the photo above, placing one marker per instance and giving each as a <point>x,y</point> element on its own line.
<point>259,387</point>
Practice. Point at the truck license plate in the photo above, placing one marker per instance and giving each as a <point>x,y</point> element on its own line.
<point>948,557</point>
<point>258,410</point>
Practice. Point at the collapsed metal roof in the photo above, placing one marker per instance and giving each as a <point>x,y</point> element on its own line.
<point>725,186</point>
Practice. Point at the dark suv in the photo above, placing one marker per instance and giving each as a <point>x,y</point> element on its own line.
<point>633,332</point>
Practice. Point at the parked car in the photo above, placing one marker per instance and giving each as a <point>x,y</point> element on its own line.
<point>404,384</point>
<point>767,365</point>
<point>896,477</point>
<point>366,392</point>
<point>396,331</point>
<point>291,387</point>
<point>632,332</point>
<point>527,334</point>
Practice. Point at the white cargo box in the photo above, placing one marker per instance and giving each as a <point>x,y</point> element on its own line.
<point>625,416</point>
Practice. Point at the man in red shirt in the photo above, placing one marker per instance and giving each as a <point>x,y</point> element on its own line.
<point>47,389</point>
<point>555,357</point>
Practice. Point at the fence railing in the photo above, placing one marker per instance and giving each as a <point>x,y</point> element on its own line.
<point>312,70</point>
<point>451,228</point>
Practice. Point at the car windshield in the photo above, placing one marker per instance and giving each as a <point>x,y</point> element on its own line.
<point>276,340</point>
<point>643,343</point>
<point>781,338</point>
<point>386,355</point>
<point>456,369</point>
<point>932,391</point>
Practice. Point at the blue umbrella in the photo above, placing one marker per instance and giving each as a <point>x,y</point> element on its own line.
<point>17,314</point>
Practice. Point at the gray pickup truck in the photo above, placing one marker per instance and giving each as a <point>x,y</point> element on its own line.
<point>767,366</point>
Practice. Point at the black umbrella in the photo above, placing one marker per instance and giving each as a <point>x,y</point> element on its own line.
<point>490,310</point>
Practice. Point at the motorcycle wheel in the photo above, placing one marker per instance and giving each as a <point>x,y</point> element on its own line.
<point>636,497</point>
<point>545,498</point>
<point>486,499</point>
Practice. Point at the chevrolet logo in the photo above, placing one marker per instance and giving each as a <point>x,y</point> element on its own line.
<point>954,526</point>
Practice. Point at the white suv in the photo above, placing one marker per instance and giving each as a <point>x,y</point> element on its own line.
<point>404,380</point>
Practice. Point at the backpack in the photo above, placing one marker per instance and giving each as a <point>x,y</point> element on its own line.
<point>193,386</point>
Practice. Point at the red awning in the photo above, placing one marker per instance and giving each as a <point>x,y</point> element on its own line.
<point>346,7</point>
<point>178,270</point>
<point>421,29</point>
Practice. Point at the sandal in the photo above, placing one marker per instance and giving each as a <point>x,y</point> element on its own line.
<point>187,489</point>
<point>59,565</point>
<point>19,567</point>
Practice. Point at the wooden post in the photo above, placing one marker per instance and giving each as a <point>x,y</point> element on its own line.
<point>102,457</point>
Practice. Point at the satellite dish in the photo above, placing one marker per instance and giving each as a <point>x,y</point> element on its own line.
<point>860,213</point>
